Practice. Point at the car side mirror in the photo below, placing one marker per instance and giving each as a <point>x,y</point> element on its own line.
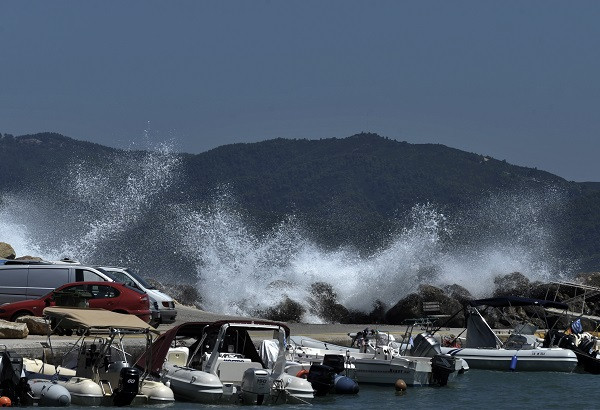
<point>48,300</point>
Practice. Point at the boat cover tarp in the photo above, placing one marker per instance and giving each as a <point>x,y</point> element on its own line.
<point>479,333</point>
<point>75,318</point>
<point>507,301</point>
<point>269,349</point>
<point>306,341</point>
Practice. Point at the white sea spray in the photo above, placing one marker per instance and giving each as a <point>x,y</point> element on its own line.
<point>93,204</point>
<point>241,269</point>
<point>240,272</point>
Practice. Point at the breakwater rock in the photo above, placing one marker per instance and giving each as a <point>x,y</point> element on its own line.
<point>443,304</point>
<point>6,251</point>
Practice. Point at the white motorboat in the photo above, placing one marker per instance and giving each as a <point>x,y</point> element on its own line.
<point>96,370</point>
<point>218,362</point>
<point>377,364</point>
<point>23,391</point>
<point>522,352</point>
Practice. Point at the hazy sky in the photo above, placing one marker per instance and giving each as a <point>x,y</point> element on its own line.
<point>517,80</point>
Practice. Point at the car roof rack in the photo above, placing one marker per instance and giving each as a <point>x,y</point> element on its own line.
<point>25,262</point>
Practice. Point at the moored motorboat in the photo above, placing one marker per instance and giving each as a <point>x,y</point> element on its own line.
<point>376,364</point>
<point>14,386</point>
<point>585,346</point>
<point>96,371</point>
<point>522,352</point>
<point>219,363</point>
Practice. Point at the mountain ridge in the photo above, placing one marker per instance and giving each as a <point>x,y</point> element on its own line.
<point>347,191</point>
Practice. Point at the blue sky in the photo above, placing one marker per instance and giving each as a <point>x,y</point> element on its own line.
<point>516,80</point>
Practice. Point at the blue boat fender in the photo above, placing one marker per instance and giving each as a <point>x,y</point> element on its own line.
<point>513,363</point>
<point>344,385</point>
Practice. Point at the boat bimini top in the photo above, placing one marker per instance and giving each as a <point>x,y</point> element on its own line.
<point>100,319</point>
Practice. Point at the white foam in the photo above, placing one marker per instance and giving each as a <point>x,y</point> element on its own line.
<point>235,266</point>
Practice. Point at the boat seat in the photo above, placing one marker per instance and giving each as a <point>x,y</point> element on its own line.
<point>178,356</point>
<point>233,371</point>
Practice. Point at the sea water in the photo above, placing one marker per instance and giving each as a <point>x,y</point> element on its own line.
<point>476,389</point>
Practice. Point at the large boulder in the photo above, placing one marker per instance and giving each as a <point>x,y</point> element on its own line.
<point>376,316</point>
<point>323,303</point>
<point>29,258</point>
<point>412,306</point>
<point>286,311</point>
<point>407,308</point>
<point>35,325</point>
<point>12,330</point>
<point>513,284</point>
<point>458,292</point>
<point>182,293</point>
<point>589,278</point>
<point>6,251</point>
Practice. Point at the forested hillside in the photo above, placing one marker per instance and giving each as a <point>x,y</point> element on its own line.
<point>347,191</point>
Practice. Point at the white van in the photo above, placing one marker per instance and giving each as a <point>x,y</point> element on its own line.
<point>21,279</point>
<point>162,305</point>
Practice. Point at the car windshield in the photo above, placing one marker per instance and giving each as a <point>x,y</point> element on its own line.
<point>107,273</point>
<point>139,279</point>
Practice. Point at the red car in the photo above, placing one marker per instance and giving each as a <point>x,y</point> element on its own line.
<point>106,295</point>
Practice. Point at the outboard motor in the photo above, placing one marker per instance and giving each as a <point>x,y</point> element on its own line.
<point>587,345</point>
<point>129,381</point>
<point>425,345</point>
<point>322,378</point>
<point>341,384</point>
<point>255,386</point>
<point>12,385</point>
<point>442,366</point>
<point>335,361</point>
<point>559,339</point>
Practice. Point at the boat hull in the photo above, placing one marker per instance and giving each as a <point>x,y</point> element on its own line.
<point>414,371</point>
<point>155,392</point>
<point>533,360</point>
<point>192,385</point>
<point>291,390</point>
<point>48,393</point>
<point>85,392</point>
